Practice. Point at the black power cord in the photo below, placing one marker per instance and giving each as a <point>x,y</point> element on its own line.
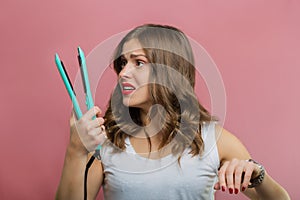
<point>87,167</point>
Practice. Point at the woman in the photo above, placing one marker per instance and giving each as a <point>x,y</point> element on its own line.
<point>158,141</point>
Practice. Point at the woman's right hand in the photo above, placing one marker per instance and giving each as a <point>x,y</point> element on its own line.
<point>87,133</point>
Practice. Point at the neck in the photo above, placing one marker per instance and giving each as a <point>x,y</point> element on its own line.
<point>152,122</point>
<point>145,117</point>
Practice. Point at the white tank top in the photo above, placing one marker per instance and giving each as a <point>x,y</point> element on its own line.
<point>129,176</point>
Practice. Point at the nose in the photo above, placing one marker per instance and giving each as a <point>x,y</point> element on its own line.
<point>126,71</point>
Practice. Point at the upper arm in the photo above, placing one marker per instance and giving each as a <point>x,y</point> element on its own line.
<point>95,178</point>
<point>229,146</point>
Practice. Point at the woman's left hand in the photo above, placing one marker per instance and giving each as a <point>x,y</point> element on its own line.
<point>235,175</point>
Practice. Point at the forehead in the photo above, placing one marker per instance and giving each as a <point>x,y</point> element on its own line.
<point>132,46</point>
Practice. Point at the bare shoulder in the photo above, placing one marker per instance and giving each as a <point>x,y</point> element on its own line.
<point>229,146</point>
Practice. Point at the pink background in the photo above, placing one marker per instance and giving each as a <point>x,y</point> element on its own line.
<point>254,43</point>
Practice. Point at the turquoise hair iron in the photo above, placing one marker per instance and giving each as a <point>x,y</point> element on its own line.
<point>88,100</point>
<point>68,84</point>
<point>86,84</point>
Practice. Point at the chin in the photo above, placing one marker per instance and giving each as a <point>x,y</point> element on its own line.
<point>130,104</point>
<point>126,102</point>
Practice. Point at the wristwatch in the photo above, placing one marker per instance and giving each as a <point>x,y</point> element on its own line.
<point>259,179</point>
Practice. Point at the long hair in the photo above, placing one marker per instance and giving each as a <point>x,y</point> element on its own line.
<point>172,86</point>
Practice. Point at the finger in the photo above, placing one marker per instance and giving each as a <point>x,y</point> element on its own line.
<point>100,139</point>
<point>99,113</point>
<point>91,113</point>
<point>72,119</point>
<point>96,131</point>
<point>230,175</point>
<point>95,123</point>
<point>238,176</point>
<point>217,186</point>
<point>100,120</point>
<point>103,129</point>
<point>221,175</point>
<point>247,176</point>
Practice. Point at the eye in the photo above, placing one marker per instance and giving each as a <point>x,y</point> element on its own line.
<point>139,63</point>
<point>123,62</point>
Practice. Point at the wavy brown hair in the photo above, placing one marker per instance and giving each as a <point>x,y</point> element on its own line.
<point>169,53</point>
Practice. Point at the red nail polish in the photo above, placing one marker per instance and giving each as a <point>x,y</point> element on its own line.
<point>236,191</point>
<point>243,189</point>
<point>223,188</point>
<point>230,190</point>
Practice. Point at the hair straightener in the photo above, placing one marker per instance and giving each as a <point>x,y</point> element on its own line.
<point>88,100</point>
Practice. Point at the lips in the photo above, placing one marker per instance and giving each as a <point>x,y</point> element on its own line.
<point>127,88</point>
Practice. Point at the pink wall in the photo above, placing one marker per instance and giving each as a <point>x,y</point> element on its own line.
<point>255,44</point>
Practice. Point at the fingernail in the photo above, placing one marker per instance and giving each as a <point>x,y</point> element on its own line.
<point>243,188</point>
<point>223,188</point>
<point>236,191</point>
<point>230,190</point>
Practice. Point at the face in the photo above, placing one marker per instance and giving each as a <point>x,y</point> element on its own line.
<point>134,76</point>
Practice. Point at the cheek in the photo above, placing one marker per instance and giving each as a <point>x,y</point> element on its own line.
<point>142,82</point>
<point>142,91</point>
<point>143,76</point>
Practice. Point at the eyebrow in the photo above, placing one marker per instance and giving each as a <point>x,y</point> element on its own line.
<point>137,55</point>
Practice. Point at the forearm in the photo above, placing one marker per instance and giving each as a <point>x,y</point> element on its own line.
<point>71,182</point>
<point>269,189</point>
